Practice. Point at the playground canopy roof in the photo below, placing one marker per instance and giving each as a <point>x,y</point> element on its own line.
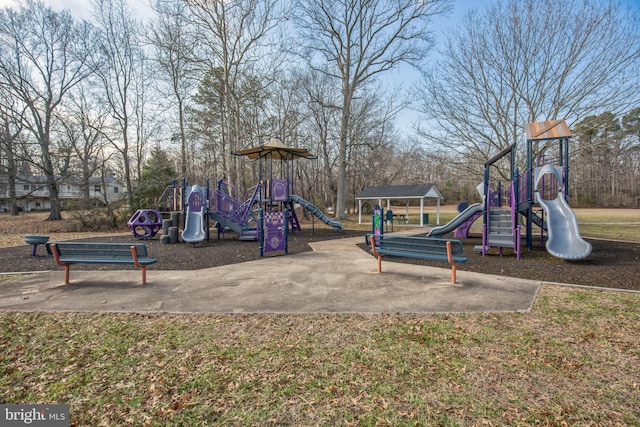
<point>275,149</point>
<point>550,129</point>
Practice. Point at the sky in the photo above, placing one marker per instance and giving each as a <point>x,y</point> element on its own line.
<point>404,75</point>
<point>79,8</point>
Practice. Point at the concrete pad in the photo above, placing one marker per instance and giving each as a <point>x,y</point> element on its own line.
<point>337,277</point>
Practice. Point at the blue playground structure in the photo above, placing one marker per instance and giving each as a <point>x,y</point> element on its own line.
<point>538,195</point>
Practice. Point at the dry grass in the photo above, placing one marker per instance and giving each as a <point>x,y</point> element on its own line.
<point>14,228</point>
<point>574,360</point>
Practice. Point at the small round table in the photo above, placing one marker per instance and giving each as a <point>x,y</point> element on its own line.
<point>35,240</point>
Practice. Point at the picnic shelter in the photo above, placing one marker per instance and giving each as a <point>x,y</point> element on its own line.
<point>404,193</point>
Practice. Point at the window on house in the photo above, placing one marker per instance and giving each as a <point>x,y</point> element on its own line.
<point>115,189</point>
<point>26,187</point>
<point>96,188</point>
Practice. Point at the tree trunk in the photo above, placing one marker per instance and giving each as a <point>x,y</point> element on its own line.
<point>342,152</point>
<point>11,180</point>
<point>55,214</point>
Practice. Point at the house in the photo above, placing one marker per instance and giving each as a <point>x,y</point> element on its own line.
<point>32,192</point>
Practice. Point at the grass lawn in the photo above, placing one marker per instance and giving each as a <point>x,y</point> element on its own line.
<point>573,360</point>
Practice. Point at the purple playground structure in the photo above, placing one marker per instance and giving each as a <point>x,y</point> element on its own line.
<point>461,224</point>
<point>145,223</point>
<point>264,213</point>
<point>539,195</point>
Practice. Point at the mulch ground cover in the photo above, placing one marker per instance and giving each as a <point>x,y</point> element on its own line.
<point>611,264</point>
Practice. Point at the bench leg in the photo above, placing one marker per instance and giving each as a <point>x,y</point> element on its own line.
<point>451,263</point>
<point>379,263</point>
<point>66,274</point>
<point>144,274</point>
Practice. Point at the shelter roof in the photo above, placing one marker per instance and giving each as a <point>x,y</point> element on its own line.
<point>275,149</point>
<point>415,191</point>
<point>550,129</point>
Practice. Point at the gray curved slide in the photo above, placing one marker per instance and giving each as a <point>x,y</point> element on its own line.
<point>456,222</point>
<point>562,226</point>
<point>314,210</point>
<point>194,220</point>
<point>564,240</point>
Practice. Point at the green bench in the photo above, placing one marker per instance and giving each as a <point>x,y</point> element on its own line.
<point>69,253</point>
<point>427,248</point>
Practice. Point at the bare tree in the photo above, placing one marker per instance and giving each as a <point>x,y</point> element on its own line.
<point>321,101</point>
<point>516,62</point>
<point>43,56</point>
<point>84,133</point>
<point>354,41</point>
<point>119,64</point>
<point>176,57</point>
<point>237,37</point>
<point>10,130</point>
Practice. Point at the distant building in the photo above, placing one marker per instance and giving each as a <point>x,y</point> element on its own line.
<point>32,193</point>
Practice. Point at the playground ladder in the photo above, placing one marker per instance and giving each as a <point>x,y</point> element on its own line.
<point>293,218</point>
<point>500,228</point>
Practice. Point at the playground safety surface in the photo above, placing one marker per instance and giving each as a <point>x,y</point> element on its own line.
<point>336,277</point>
<point>229,276</point>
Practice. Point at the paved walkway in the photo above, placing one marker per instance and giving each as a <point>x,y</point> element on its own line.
<point>337,277</point>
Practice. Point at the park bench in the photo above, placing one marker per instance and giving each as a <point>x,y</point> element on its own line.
<point>427,248</point>
<point>68,253</point>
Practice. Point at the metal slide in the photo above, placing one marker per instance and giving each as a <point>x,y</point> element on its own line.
<point>194,221</point>
<point>315,211</point>
<point>564,239</point>
<point>464,216</point>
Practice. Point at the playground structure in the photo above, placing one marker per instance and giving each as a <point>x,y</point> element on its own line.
<point>547,185</point>
<point>539,195</point>
<point>265,213</point>
<point>145,223</point>
<point>461,224</point>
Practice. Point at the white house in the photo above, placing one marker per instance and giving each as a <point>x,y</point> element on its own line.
<point>32,192</point>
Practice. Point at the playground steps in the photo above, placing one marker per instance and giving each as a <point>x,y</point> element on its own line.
<point>500,228</point>
<point>249,234</point>
<point>244,232</point>
<point>293,218</point>
<point>537,220</point>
